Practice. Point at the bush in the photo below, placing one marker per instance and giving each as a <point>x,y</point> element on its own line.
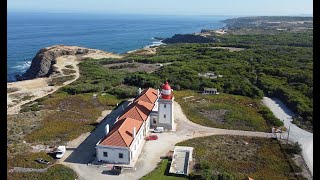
<point>270,118</point>
<point>225,176</point>
<point>292,149</point>
<point>123,92</point>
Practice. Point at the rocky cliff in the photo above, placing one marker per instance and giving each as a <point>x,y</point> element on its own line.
<point>188,38</point>
<point>41,65</point>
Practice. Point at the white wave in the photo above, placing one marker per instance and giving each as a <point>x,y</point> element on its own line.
<point>155,43</point>
<point>23,66</point>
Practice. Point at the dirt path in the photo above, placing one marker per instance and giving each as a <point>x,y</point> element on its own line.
<point>77,158</point>
<point>305,138</point>
<point>30,90</point>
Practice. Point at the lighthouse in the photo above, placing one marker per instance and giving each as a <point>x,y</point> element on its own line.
<point>165,105</point>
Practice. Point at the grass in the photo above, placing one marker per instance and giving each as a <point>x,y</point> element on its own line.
<point>108,99</point>
<point>55,172</point>
<point>222,111</point>
<point>28,160</point>
<point>259,159</point>
<point>58,81</point>
<point>161,172</point>
<point>68,116</point>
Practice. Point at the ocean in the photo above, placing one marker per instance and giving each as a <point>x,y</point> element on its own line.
<point>29,32</point>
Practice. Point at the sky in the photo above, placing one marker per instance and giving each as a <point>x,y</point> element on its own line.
<point>166,7</point>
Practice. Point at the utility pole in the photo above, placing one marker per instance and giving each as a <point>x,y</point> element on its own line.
<point>288,132</point>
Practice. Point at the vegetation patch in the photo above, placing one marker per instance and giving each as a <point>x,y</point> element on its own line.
<point>29,160</point>
<point>239,157</point>
<point>55,172</point>
<point>68,116</point>
<point>11,90</point>
<point>68,71</point>
<point>224,111</point>
<point>19,125</point>
<point>69,67</point>
<point>58,81</point>
<point>162,172</point>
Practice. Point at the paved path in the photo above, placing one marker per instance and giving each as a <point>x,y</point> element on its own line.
<point>304,138</point>
<point>151,152</point>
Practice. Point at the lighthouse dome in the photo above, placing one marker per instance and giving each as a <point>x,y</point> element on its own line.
<point>166,86</point>
<point>166,91</point>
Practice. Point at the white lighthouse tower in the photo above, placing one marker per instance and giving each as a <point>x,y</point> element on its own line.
<point>165,105</point>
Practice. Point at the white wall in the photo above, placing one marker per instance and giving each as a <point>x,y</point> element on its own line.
<point>165,108</point>
<point>138,141</point>
<point>113,154</point>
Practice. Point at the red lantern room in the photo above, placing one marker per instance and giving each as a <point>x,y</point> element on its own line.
<point>166,91</point>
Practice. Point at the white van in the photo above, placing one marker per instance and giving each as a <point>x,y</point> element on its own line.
<point>60,151</point>
<point>158,130</point>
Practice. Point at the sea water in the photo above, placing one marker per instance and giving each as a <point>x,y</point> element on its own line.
<point>29,32</point>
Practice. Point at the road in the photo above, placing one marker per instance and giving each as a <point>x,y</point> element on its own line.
<point>305,138</point>
<point>152,151</point>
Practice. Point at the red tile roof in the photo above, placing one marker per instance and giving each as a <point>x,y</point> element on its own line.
<point>133,116</point>
<point>149,95</point>
<point>139,110</point>
<point>122,133</point>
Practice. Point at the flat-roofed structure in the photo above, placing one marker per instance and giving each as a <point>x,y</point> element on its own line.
<point>210,91</point>
<point>181,158</point>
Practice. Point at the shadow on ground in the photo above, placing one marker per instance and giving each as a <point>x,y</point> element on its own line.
<point>85,152</point>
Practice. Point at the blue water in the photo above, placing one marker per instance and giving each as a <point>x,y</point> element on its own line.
<point>29,32</point>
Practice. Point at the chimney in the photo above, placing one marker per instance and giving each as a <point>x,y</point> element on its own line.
<point>134,132</point>
<point>139,91</point>
<point>107,129</point>
<point>158,92</point>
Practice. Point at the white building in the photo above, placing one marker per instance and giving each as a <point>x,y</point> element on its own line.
<point>124,142</point>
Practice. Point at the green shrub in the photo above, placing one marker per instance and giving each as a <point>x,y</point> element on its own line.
<point>270,118</point>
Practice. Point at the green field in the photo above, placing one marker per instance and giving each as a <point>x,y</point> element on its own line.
<point>161,172</point>
<point>240,157</point>
<point>68,116</point>
<point>56,172</point>
<point>224,111</point>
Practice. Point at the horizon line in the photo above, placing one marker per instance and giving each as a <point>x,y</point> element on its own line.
<point>155,14</point>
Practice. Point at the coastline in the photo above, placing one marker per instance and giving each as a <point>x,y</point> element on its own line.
<point>25,91</point>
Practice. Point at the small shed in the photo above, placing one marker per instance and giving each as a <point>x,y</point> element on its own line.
<point>210,91</point>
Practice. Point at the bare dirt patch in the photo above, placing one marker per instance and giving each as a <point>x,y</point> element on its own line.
<point>134,67</point>
<point>217,116</point>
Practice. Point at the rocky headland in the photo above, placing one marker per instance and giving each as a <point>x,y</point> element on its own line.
<point>51,68</point>
<point>188,38</point>
<point>42,63</point>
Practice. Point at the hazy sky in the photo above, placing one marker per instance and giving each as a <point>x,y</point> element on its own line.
<point>167,7</point>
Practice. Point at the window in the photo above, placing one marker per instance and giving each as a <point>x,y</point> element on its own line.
<point>165,106</point>
<point>154,121</point>
<point>121,155</point>
<point>164,116</point>
<point>105,154</point>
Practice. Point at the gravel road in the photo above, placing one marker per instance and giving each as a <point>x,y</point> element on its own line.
<point>152,151</point>
<point>304,137</point>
